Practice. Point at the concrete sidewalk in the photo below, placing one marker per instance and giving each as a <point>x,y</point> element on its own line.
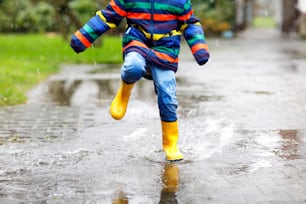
<point>242,131</point>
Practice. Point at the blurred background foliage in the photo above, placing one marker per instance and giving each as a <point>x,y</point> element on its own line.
<point>41,15</point>
<point>216,16</point>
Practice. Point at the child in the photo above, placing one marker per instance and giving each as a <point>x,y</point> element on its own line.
<point>151,45</point>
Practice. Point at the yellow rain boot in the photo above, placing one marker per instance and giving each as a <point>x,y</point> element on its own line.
<point>120,102</point>
<point>170,138</point>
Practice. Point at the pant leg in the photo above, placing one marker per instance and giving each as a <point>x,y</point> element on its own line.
<point>165,87</point>
<point>133,67</point>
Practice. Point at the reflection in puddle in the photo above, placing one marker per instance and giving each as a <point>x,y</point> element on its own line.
<point>170,183</point>
<point>121,199</point>
<point>80,92</point>
<point>170,179</point>
<point>81,85</point>
<point>93,86</point>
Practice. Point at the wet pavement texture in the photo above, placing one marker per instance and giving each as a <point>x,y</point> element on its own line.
<point>242,121</point>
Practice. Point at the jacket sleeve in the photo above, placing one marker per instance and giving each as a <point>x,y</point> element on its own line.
<point>104,20</point>
<point>194,35</point>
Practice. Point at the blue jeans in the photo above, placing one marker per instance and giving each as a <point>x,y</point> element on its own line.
<point>134,68</point>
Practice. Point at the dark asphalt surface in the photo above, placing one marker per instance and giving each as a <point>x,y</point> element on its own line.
<point>242,131</point>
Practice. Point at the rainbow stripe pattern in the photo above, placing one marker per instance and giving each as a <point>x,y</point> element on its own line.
<point>154,29</point>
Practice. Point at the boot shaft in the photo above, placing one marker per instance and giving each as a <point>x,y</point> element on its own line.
<point>170,139</point>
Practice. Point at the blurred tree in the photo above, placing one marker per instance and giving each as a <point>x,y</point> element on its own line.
<point>26,16</point>
<point>216,16</point>
<point>85,8</point>
<point>64,16</point>
<point>67,15</point>
<point>290,14</point>
<point>41,15</point>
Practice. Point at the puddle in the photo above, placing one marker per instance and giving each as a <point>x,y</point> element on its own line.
<point>291,141</point>
<point>259,148</point>
<point>110,163</point>
<point>79,86</point>
<point>80,92</point>
<point>282,143</point>
<point>66,148</point>
<point>296,54</point>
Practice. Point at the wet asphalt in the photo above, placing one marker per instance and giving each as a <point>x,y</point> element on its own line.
<point>242,120</point>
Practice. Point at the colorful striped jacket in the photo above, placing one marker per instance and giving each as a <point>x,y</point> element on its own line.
<point>154,29</point>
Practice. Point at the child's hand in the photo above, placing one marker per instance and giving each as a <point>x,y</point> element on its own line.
<point>76,44</point>
<point>202,56</point>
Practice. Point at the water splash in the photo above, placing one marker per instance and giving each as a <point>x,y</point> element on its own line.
<point>143,143</point>
<point>203,137</point>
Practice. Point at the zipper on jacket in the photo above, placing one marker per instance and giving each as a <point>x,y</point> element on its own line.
<point>152,20</point>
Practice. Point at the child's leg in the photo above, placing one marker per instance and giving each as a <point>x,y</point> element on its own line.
<point>131,71</point>
<point>133,67</point>
<point>165,86</point>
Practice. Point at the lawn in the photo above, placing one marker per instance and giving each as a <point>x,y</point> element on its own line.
<point>264,22</point>
<point>28,59</point>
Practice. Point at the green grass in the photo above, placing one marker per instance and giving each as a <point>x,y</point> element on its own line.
<point>26,60</point>
<point>264,22</point>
